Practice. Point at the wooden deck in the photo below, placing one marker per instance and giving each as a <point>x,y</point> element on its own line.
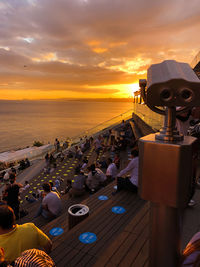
<point>121,238</point>
<point>131,247</point>
<point>106,225</point>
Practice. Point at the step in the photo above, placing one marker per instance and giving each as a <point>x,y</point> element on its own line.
<point>104,223</point>
<point>131,247</point>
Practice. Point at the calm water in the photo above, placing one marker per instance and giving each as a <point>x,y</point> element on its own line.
<point>22,122</point>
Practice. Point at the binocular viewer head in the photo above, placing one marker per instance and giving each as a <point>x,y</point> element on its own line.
<point>171,83</point>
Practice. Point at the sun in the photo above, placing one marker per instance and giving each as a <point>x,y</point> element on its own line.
<point>127,90</point>
<point>133,87</point>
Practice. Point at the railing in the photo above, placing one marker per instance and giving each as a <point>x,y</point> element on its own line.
<point>104,125</point>
<point>151,118</point>
<point>148,116</point>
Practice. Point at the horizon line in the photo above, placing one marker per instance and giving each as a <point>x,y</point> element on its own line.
<point>73,99</point>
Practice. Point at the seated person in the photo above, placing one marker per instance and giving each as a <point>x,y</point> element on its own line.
<point>93,180</point>
<point>103,178</point>
<point>27,163</point>
<point>34,257</point>
<point>6,176</point>
<point>53,188</point>
<point>129,183</point>
<point>25,187</point>
<point>78,153</point>
<point>122,144</point>
<point>98,145</point>
<point>78,187</point>
<point>65,145</point>
<point>84,164</point>
<point>14,238</point>
<point>111,171</point>
<point>85,145</point>
<point>69,154</point>
<point>51,204</point>
<point>13,170</point>
<point>53,167</point>
<point>103,163</point>
<point>52,160</point>
<point>57,182</point>
<point>47,170</point>
<point>117,160</point>
<point>22,165</point>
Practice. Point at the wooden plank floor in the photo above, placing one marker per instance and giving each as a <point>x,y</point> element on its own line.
<point>131,246</point>
<point>104,223</point>
<point>67,249</point>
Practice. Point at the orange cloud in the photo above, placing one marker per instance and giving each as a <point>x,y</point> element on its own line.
<point>99,50</point>
<point>86,48</point>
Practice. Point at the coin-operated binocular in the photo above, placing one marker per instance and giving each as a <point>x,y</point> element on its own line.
<point>166,165</point>
<point>166,158</point>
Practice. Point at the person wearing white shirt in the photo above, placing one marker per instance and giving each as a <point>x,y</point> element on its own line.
<point>51,206</point>
<point>6,176</point>
<point>111,171</point>
<point>129,183</point>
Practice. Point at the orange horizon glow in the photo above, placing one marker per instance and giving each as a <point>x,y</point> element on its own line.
<point>90,49</point>
<point>125,91</point>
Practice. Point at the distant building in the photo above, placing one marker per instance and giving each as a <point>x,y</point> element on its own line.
<point>137,97</point>
<point>196,64</point>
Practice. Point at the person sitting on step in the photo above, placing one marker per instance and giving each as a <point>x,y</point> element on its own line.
<point>129,183</point>
<point>14,238</point>
<point>51,206</point>
<point>93,180</point>
<point>78,182</point>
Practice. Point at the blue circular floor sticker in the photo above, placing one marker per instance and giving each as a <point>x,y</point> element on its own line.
<point>118,210</point>
<point>87,238</point>
<point>115,187</point>
<point>102,197</point>
<point>56,231</point>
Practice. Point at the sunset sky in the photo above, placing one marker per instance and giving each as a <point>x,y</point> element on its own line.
<point>53,49</point>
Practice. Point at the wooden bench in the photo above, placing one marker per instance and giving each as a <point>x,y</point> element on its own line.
<point>136,131</point>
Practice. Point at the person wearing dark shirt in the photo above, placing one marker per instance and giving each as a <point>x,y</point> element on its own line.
<point>27,163</point>
<point>11,194</point>
<point>78,187</point>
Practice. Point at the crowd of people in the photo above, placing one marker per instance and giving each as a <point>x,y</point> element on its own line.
<point>88,177</point>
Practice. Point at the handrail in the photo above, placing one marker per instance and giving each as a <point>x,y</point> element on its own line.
<point>104,125</point>
<point>151,118</point>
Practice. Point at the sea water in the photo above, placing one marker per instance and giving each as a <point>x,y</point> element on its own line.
<point>23,122</point>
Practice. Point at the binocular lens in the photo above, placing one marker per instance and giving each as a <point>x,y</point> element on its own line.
<point>186,94</point>
<point>165,94</point>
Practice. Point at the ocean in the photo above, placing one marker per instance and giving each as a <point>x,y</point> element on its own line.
<point>23,122</point>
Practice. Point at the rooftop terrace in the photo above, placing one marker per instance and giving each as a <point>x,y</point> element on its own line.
<point>122,239</point>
